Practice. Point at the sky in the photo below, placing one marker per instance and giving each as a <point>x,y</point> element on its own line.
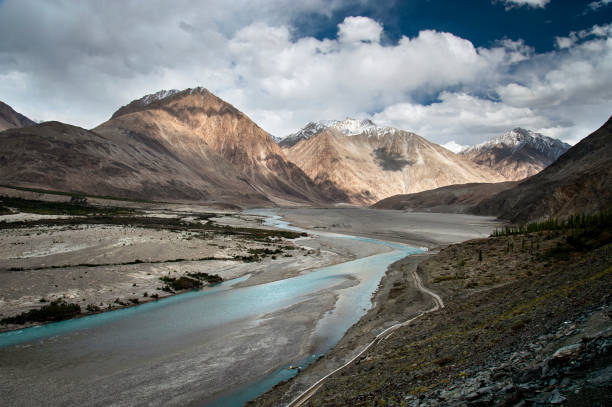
<point>454,72</point>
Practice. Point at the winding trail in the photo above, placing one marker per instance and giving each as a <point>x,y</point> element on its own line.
<point>438,304</point>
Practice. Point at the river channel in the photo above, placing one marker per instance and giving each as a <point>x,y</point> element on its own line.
<point>167,352</point>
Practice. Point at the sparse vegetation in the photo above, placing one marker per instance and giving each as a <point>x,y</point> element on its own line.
<point>596,221</point>
<point>76,206</point>
<point>93,308</point>
<point>180,283</point>
<point>57,310</point>
<point>506,294</point>
<point>209,278</point>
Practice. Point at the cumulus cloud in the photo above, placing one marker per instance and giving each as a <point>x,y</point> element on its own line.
<point>529,3</point>
<point>85,59</point>
<point>459,116</point>
<point>358,29</point>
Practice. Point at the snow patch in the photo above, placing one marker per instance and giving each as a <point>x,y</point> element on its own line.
<point>162,94</point>
<point>517,138</point>
<point>348,126</point>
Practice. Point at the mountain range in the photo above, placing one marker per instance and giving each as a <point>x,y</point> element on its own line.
<point>172,145</point>
<point>368,162</point>
<point>517,154</point>
<point>192,146</point>
<point>579,181</point>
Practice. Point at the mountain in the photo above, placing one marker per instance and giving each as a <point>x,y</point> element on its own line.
<point>580,181</point>
<point>209,134</point>
<point>10,119</point>
<point>58,156</point>
<point>171,146</point>
<point>369,163</point>
<point>349,127</point>
<point>517,154</point>
<point>458,198</point>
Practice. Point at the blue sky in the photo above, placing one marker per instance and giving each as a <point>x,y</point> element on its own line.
<point>455,72</point>
<point>481,21</point>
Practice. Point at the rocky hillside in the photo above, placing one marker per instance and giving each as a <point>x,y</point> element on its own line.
<point>517,154</point>
<point>11,119</point>
<point>450,199</point>
<point>207,133</point>
<point>62,157</point>
<point>369,163</point>
<point>527,321</point>
<point>172,145</point>
<point>579,181</point>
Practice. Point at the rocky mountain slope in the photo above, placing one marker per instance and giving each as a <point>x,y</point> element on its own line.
<point>58,156</point>
<point>173,145</point>
<point>370,163</point>
<point>348,127</point>
<point>450,199</point>
<point>580,181</point>
<point>517,154</point>
<point>9,118</point>
<point>203,131</point>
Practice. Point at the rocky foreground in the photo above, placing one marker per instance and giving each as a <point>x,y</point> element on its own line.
<point>528,321</point>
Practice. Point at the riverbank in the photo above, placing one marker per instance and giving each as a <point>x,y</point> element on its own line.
<point>528,319</point>
<point>256,338</point>
<point>396,300</point>
<point>107,266</point>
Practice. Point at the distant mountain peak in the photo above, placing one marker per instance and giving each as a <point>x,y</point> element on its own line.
<point>519,137</point>
<point>348,127</point>
<point>517,153</point>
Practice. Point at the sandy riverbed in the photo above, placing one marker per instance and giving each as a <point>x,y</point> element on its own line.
<point>413,228</point>
<point>49,262</point>
<point>264,342</point>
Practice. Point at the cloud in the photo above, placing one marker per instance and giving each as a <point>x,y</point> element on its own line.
<point>459,116</point>
<point>359,29</point>
<point>528,3</point>
<point>85,59</point>
<point>598,4</point>
<point>454,146</point>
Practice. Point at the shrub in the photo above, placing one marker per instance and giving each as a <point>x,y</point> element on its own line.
<point>179,284</point>
<point>93,308</point>
<point>57,310</point>
<point>210,278</point>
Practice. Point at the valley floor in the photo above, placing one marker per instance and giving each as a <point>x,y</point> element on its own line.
<point>44,258</point>
<point>110,260</point>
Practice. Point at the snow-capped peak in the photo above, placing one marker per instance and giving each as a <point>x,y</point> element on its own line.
<point>348,126</point>
<point>154,97</point>
<point>517,138</point>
